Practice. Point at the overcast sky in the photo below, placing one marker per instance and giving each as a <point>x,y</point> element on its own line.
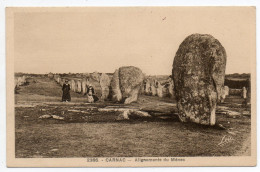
<point>103,39</point>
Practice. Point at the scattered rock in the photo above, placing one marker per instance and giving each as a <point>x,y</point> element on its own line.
<point>220,126</point>
<point>231,132</point>
<point>127,114</point>
<point>247,113</point>
<point>57,117</point>
<point>123,116</point>
<point>74,110</point>
<point>54,150</point>
<point>45,116</point>
<point>233,113</point>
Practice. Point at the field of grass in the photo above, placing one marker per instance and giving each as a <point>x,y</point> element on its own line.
<point>86,131</point>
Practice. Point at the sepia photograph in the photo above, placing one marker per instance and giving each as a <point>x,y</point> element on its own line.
<point>131,86</point>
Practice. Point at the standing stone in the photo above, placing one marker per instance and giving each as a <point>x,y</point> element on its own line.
<point>171,88</point>
<point>104,83</point>
<point>126,84</point>
<point>78,86</point>
<point>73,85</point>
<point>147,86</point>
<point>153,88</point>
<point>58,79</point>
<point>244,93</point>
<point>226,90</point>
<point>84,86</point>
<point>198,73</point>
<point>95,76</point>
<point>159,89</point>
<point>115,87</point>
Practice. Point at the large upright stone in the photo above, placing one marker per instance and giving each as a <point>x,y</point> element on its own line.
<point>104,83</point>
<point>198,73</point>
<point>126,84</point>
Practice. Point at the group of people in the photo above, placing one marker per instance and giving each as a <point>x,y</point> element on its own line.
<point>91,97</point>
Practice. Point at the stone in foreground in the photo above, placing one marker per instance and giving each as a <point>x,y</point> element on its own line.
<point>198,73</point>
<point>126,84</point>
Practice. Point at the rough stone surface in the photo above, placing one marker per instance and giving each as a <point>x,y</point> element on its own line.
<point>198,73</point>
<point>126,84</point>
<point>104,83</point>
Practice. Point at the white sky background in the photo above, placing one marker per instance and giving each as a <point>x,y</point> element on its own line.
<point>104,39</point>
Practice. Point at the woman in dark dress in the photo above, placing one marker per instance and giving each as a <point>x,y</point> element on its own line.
<point>66,92</point>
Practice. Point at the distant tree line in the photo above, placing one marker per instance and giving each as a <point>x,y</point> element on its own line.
<point>237,84</point>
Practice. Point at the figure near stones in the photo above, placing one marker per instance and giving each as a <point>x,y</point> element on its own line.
<point>91,97</point>
<point>198,73</point>
<point>66,92</point>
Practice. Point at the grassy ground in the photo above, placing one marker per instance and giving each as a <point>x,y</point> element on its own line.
<point>88,132</point>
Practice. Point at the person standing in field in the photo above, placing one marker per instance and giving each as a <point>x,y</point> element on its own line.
<point>66,92</point>
<point>91,94</point>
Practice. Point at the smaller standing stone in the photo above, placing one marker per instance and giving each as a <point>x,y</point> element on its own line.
<point>73,85</point>
<point>78,86</point>
<point>104,83</point>
<point>84,86</point>
<point>159,89</point>
<point>244,92</point>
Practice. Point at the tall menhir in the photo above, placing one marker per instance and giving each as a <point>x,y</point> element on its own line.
<point>198,73</point>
